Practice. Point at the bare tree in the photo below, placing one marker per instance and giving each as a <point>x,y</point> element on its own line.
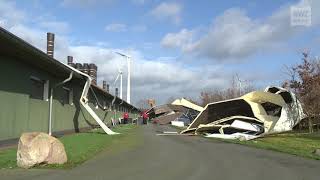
<point>231,92</point>
<point>170,100</point>
<point>305,82</point>
<point>143,104</point>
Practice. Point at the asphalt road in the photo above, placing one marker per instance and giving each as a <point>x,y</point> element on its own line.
<point>182,157</point>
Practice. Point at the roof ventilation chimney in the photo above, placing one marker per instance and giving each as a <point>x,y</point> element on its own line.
<point>117,92</point>
<point>93,72</point>
<point>108,87</point>
<point>86,68</point>
<point>50,44</point>
<point>104,84</point>
<point>78,66</point>
<point>70,61</point>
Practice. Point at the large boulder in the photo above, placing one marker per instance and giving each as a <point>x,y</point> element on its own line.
<point>316,152</point>
<point>39,148</point>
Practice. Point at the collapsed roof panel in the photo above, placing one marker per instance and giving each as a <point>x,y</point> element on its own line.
<point>166,119</point>
<point>236,122</point>
<point>180,110</point>
<point>188,104</point>
<point>222,109</point>
<point>254,114</point>
<point>177,108</point>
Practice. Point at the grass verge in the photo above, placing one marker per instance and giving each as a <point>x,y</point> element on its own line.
<point>292,143</point>
<point>83,146</point>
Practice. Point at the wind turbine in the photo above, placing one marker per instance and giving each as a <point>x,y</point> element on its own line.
<point>240,81</point>
<point>119,75</point>
<point>129,75</point>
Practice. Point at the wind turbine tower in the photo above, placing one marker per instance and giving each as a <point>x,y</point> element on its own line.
<point>128,58</point>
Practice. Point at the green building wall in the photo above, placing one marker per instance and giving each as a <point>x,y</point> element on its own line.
<point>19,113</point>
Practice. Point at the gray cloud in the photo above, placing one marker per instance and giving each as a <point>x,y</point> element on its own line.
<point>150,79</point>
<point>182,39</point>
<point>168,11</point>
<point>157,79</point>
<point>9,15</point>
<point>234,35</point>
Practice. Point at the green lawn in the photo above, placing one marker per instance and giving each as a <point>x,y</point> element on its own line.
<point>291,143</point>
<point>83,146</point>
<point>8,158</point>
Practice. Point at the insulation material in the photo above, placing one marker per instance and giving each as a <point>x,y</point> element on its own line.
<point>177,123</point>
<point>245,125</point>
<point>255,114</point>
<point>240,136</point>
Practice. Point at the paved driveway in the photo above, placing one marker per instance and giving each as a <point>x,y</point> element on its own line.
<point>182,157</point>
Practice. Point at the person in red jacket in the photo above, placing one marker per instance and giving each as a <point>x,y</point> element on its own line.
<point>145,117</point>
<point>125,117</point>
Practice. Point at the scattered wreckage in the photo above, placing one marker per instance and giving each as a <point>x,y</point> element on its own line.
<point>180,112</point>
<point>250,116</point>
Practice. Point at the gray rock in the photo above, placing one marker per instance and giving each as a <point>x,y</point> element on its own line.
<point>39,148</point>
<point>316,152</point>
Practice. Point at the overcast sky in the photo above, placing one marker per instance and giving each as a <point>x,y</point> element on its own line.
<point>179,48</point>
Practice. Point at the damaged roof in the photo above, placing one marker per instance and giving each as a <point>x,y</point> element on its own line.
<point>274,110</point>
<point>188,104</point>
<point>166,119</point>
<point>13,46</point>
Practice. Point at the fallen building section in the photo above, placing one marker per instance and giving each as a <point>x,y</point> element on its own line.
<point>250,116</point>
<point>181,111</point>
<point>166,119</point>
<point>187,104</point>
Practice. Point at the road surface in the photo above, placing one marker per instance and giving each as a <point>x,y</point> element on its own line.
<point>182,157</point>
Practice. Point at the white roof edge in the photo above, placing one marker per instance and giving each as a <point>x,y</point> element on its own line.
<point>188,104</point>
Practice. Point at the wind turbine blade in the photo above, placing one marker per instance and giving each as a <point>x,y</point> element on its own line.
<point>116,79</point>
<point>124,55</point>
<point>121,54</point>
<point>119,69</point>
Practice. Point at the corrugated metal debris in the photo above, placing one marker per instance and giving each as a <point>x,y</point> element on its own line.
<point>250,116</point>
<point>181,111</point>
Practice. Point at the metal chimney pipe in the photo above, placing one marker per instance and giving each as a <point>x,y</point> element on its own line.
<point>104,84</point>
<point>86,68</point>
<point>108,87</point>
<point>117,92</point>
<point>70,60</point>
<point>50,44</point>
<point>93,72</point>
<point>78,66</point>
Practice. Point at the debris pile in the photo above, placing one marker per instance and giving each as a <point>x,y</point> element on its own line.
<point>179,113</point>
<point>250,116</point>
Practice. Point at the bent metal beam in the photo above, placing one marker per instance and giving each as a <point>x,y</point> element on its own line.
<point>84,102</point>
<point>51,99</point>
